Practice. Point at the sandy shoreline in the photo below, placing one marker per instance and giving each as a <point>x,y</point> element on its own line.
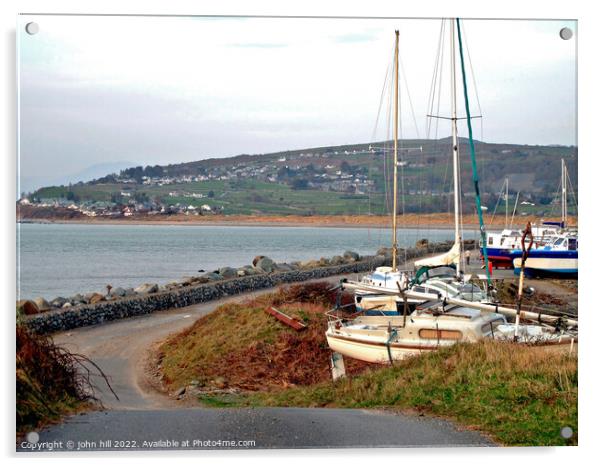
<point>431,221</point>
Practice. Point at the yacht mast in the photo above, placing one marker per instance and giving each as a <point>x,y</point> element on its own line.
<point>563,188</point>
<point>395,162</point>
<point>506,223</point>
<point>455,149</point>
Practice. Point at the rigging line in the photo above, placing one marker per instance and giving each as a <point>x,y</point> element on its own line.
<point>556,198</point>
<point>472,74</point>
<point>514,211</point>
<point>433,87</point>
<point>497,203</point>
<point>386,180</point>
<point>440,77</point>
<point>374,131</point>
<point>573,192</point>
<point>402,183</point>
<point>405,81</point>
<point>380,104</point>
<point>474,83</point>
<point>440,71</point>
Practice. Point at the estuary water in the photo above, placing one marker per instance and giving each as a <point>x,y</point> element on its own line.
<point>65,259</point>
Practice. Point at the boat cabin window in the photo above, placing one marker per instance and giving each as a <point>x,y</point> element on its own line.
<point>470,291</point>
<point>489,328</point>
<point>572,244</point>
<point>420,289</point>
<point>490,241</point>
<point>441,334</point>
<point>559,242</point>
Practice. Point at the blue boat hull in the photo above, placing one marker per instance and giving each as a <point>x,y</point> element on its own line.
<point>548,263</point>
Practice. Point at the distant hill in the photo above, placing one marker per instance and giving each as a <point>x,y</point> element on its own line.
<point>344,179</point>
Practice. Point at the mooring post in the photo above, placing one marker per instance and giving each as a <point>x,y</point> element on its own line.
<point>337,366</point>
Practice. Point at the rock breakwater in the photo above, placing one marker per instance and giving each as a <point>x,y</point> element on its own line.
<point>204,288</point>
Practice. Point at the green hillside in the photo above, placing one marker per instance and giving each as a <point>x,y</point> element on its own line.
<point>349,179</point>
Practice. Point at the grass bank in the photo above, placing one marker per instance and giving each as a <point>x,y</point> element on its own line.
<point>519,395</point>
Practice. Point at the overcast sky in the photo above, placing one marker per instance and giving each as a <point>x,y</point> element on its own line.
<point>107,91</point>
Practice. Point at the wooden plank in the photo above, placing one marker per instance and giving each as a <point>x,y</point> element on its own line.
<point>282,317</point>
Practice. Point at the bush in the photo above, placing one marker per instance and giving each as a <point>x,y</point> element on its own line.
<point>49,380</point>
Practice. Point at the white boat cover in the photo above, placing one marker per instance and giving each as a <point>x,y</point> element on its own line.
<point>450,257</point>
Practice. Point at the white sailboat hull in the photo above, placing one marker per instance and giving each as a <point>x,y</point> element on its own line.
<point>371,351</point>
<point>550,264</point>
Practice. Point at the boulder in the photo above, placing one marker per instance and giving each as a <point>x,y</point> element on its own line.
<point>310,265</point>
<point>379,260</point>
<point>58,302</point>
<point>42,304</point>
<point>28,307</point>
<point>227,272</point>
<point>240,273</point>
<point>186,281</point>
<point>351,256</point>
<point>96,298</point>
<point>88,297</point>
<point>212,276</point>
<point>147,288</point>
<point>386,252</point>
<point>337,260</point>
<point>67,305</point>
<point>283,267</point>
<point>264,264</point>
<point>422,243</point>
<point>324,262</point>
<point>119,292</point>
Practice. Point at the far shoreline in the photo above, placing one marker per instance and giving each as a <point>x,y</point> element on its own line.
<point>414,221</point>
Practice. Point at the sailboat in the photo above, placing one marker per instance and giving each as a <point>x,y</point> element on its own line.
<point>401,316</point>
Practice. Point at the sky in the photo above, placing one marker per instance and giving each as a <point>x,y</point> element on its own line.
<point>97,94</point>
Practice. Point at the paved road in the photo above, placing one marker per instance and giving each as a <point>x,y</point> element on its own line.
<point>264,427</point>
<point>141,414</point>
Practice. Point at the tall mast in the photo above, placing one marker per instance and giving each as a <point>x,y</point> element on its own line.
<point>455,149</point>
<point>396,80</point>
<point>506,223</point>
<point>563,188</point>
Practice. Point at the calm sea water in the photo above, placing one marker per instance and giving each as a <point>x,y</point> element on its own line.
<point>62,260</point>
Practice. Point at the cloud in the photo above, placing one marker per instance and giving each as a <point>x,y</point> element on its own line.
<point>258,45</point>
<point>355,37</point>
<point>166,90</point>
